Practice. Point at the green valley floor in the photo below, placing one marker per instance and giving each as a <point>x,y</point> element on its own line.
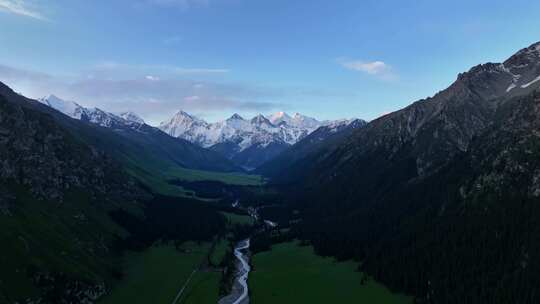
<point>290,273</point>
<point>159,273</point>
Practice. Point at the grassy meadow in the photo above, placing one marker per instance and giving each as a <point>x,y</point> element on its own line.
<point>230,178</point>
<point>157,275</point>
<point>157,179</point>
<point>295,274</point>
<point>203,289</point>
<point>236,219</point>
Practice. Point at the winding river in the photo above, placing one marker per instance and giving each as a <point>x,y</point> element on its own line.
<point>239,293</point>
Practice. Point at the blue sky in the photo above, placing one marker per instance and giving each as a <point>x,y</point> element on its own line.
<point>328,59</point>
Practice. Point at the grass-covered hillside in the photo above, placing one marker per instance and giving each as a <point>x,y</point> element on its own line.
<point>69,210</point>
<point>145,152</point>
<point>55,196</point>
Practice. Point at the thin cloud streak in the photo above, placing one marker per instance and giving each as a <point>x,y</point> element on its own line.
<point>21,8</point>
<point>115,68</point>
<point>377,68</point>
<point>152,96</point>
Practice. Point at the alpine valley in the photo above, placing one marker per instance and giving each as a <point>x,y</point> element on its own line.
<point>437,202</point>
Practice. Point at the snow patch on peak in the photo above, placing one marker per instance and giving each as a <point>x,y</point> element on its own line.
<point>70,108</point>
<point>511,87</point>
<point>94,115</point>
<point>297,120</point>
<point>182,114</point>
<point>280,114</point>
<point>336,125</point>
<point>279,117</point>
<point>307,122</point>
<point>131,117</point>
<point>260,119</point>
<point>531,83</point>
<point>260,131</point>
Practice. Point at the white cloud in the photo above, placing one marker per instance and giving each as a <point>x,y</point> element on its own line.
<point>192,98</point>
<point>152,78</point>
<point>20,7</point>
<point>153,96</point>
<point>375,68</point>
<point>114,68</point>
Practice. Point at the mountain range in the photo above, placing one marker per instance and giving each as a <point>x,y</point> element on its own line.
<point>149,153</point>
<point>247,142</point>
<point>290,164</point>
<point>55,193</point>
<point>74,196</point>
<point>448,185</point>
<point>439,200</point>
<point>92,115</point>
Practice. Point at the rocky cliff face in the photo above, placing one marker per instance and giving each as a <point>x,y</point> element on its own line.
<point>424,136</point>
<point>444,192</point>
<point>55,194</point>
<point>472,222</point>
<point>505,158</point>
<point>38,153</point>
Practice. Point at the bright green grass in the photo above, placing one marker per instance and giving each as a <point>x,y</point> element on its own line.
<point>293,274</point>
<point>157,274</point>
<point>236,219</point>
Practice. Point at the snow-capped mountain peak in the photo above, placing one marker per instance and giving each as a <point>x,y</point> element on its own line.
<point>303,121</point>
<point>236,116</point>
<point>181,113</point>
<point>92,115</point>
<point>261,120</point>
<point>131,117</point>
<point>70,108</point>
<point>297,120</point>
<point>183,118</point>
<point>337,125</point>
<point>188,127</point>
<point>249,142</point>
<point>279,117</point>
